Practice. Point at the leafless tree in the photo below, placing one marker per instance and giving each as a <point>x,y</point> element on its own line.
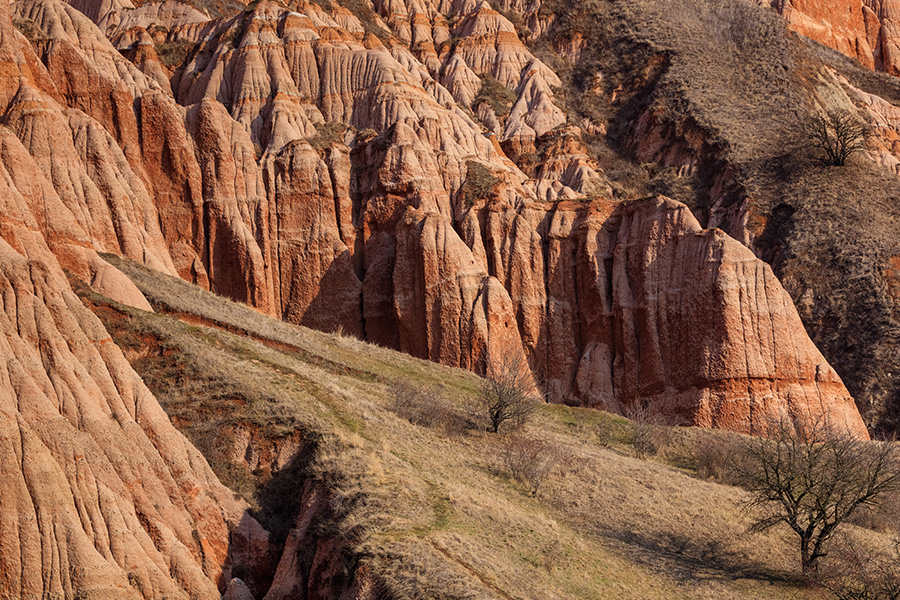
<point>838,134</point>
<point>813,478</point>
<point>508,395</point>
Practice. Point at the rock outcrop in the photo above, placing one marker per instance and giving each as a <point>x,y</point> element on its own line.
<point>405,173</point>
<point>867,30</point>
<point>102,496</point>
<point>704,330</point>
<point>330,176</point>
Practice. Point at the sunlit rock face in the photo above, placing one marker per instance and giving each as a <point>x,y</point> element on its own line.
<point>352,171</point>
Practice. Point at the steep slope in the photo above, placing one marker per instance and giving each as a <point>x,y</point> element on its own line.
<point>709,99</point>
<point>102,497</point>
<point>866,30</point>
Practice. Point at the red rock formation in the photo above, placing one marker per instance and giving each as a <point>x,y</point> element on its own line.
<point>704,330</point>
<point>868,30</point>
<point>625,304</point>
<point>324,175</point>
<point>850,27</point>
<point>101,495</point>
<point>258,199</point>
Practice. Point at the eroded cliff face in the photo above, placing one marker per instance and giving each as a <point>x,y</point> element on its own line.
<point>327,168</point>
<point>867,30</point>
<point>102,496</point>
<point>404,173</point>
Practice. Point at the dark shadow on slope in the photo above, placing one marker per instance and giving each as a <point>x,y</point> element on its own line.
<point>688,559</point>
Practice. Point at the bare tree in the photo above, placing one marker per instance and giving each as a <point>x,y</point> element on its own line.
<point>508,395</point>
<point>838,134</point>
<point>813,478</point>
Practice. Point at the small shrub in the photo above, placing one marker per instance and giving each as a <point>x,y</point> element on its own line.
<point>854,571</point>
<point>363,11</point>
<point>328,134</point>
<point>366,135</point>
<point>496,95</point>
<point>882,518</point>
<point>605,430</point>
<point>714,457</point>
<point>479,184</point>
<point>648,437</point>
<point>174,54</point>
<point>29,29</point>
<point>420,404</point>
<point>551,554</point>
<point>529,461</point>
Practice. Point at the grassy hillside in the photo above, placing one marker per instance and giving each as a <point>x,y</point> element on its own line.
<point>433,510</point>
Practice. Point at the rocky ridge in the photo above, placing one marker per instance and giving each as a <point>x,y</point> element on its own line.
<point>863,29</point>
<point>327,168</point>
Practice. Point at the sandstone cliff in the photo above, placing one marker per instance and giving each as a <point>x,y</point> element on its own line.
<point>717,120</point>
<point>325,169</point>
<point>866,30</point>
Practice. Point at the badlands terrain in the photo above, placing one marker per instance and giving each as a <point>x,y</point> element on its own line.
<point>230,233</point>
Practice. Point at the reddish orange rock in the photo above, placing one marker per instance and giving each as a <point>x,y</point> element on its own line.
<point>327,179</point>
<point>704,331</point>
<point>868,30</point>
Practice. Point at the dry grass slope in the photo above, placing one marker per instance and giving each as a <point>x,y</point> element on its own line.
<point>434,510</point>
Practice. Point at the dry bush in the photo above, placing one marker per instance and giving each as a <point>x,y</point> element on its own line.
<point>882,518</point>
<point>529,460</point>
<point>605,430</point>
<point>551,554</point>
<point>480,183</point>
<point>496,95</point>
<point>857,571</point>
<point>421,404</point>
<point>648,436</point>
<point>29,29</point>
<point>363,11</point>
<point>715,456</point>
<point>508,396</point>
<point>327,135</point>
<point>174,54</point>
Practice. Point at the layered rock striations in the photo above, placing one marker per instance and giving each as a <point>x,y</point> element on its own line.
<point>406,176</point>
<point>324,167</point>
<point>102,497</point>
